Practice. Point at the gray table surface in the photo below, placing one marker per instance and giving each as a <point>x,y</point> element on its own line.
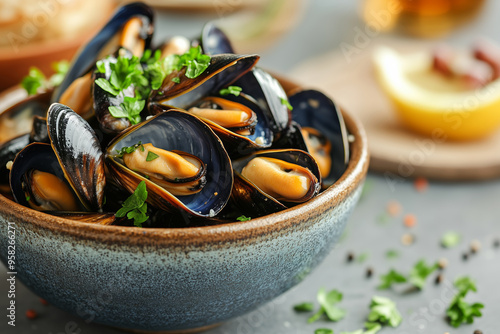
<point>471,209</point>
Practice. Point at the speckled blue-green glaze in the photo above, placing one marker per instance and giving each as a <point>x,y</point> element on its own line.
<point>168,288</point>
<point>174,279</point>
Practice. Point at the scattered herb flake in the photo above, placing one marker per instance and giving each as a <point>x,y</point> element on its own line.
<point>129,149</point>
<point>28,198</point>
<point>176,80</point>
<point>420,272</point>
<point>151,156</point>
<point>392,254</point>
<point>450,239</point>
<point>135,206</point>
<point>391,278</point>
<point>460,312</point>
<point>362,257</point>
<point>328,306</point>
<point>384,311</point>
<point>234,90</point>
<point>304,307</point>
<point>243,218</point>
<point>323,331</point>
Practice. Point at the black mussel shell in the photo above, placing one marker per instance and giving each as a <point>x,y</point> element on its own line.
<point>314,109</point>
<point>39,130</point>
<point>223,70</point>
<point>79,153</point>
<point>215,41</point>
<point>35,156</point>
<point>176,130</point>
<point>92,51</point>
<point>8,152</point>
<point>270,96</point>
<point>253,201</point>
<point>16,118</point>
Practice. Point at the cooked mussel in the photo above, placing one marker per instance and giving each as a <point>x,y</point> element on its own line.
<point>323,131</point>
<point>79,153</point>
<point>272,180</point>
<point>270,96</point>
<point>239,122</point>
<point>131,27</point>
<point>17,114</point>
<point>222,71</point>
<point>181,160</point>
<point>38,181</point>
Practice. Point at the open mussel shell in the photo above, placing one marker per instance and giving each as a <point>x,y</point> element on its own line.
<point>106,42</point>
<point>241,141</point>
<point>39,157</point>
<point>215,41</point>
<point>252,200</point>
<point>177,131</point>
<point>270,96</point>
<point>313,109</point>
<point>17,118</point>
<point>79,153</point>
<point>8,152</point>
<point>223,70</point>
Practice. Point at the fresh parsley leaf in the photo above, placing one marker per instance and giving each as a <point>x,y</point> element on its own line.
<point>304,307</point>
<point>286,103</point>
<point>34,80</point>
<point>323,331</point>
<point>195,61</point>
<point>460,312</point>
<point>106,86</point>
<point>372,327</point>
<point>135,206</point>
<point>130,108</point>
<point>235,90</point>
<point>176,80</point>
<point>420,272</point>
<point>390,278</point>
<point>450,239</point>
<point>28,198</point>
<point>384,311</point>
<point>151,156</point>
<point>359,331</point>
<point>243,218</point>
<point>328,307</point>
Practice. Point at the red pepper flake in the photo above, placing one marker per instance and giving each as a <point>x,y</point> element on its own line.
<point>410,220</point>
<point>421,184</point>
<point>44,302</point>
<point>394,208</point>
<point>31,314</point>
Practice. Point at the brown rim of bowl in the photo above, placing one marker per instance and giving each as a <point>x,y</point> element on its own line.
<point>334,195</point>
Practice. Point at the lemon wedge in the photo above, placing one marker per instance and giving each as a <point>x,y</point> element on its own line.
<point>433,104</point>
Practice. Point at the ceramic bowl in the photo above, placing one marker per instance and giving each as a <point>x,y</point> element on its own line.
<point>153,279</point>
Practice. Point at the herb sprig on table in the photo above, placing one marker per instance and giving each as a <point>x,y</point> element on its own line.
<point>461,312</point>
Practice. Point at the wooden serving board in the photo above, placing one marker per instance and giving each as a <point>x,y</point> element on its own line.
<point>395,151</point>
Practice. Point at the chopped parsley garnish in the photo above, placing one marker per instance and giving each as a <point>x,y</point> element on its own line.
<point>286,104</point>
<point>461,312</point>
<point>129,149</point>
<point>135,207</point>
<point>362,257</point>
<point>392,254</point>
<point>371,328</point>
<point>176,80</point>
<point>151,156</point>
<point>36,79</point>
<point>243,218</point>
<point>235,90</point>
<point>328,307</point>
<point>130,108</point>
<point>195,62</point>
<point>390,278</point>
<point>28,198</point>
<point>450,239</point>
<point>384,311</point>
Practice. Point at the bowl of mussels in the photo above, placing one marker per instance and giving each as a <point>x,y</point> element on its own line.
<point>171,186</point>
